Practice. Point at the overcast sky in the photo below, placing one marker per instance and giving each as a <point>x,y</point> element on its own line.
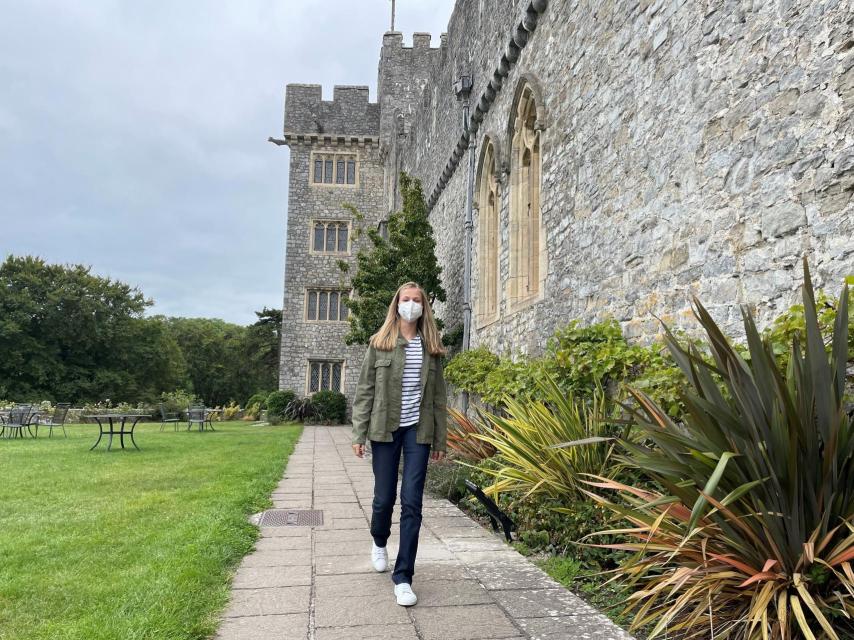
<point>133,134</point>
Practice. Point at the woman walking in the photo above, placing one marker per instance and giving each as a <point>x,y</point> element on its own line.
<point>400,405</point>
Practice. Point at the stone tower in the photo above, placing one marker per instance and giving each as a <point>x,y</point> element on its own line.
<point>334,160</point>
<point>342,153</point>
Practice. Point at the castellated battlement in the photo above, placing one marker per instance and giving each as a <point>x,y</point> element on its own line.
<point>349,113</point>
<point>420,40</point>
<point>402,74</point>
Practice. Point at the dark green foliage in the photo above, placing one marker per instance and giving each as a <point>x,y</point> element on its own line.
<point>217,370</point>
<point>453,339</point>
<point>259,398</point>
<point>174,402</point>
<point>330,407</point>
<point>67,335</point>
<point>300,409</point>
<point>756,475</point>
<point>261,348</point>
<point>579,358</point>
<point>277,403</point>
<point>408,254</point>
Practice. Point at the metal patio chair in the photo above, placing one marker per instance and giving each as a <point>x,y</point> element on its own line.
<point>57,420</point>
<point>196,415</point>
<point>20,417</point>
<point>165,417</point>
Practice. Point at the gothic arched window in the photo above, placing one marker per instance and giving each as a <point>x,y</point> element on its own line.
<point>527,239</point>
<point>487,248</point>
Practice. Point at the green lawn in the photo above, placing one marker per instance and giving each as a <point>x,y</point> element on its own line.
<point>130,544</point>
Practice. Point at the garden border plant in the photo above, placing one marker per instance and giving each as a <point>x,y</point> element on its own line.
<point>753,533</point>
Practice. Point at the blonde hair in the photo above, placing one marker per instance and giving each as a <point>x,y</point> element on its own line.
<point>386,338</point>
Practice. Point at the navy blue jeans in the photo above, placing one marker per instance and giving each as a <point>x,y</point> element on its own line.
<point>385,458</point>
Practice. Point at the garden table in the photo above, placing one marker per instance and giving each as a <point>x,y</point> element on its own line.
<point>209,413</point>
<point>117,423</point>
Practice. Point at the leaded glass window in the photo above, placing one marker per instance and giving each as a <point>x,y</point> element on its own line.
<point>324,375</point>
<point>330,236</point>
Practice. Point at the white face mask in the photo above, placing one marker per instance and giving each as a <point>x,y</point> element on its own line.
<point>409,310</point>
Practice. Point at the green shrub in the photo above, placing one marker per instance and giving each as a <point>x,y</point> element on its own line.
<point>579,358</point>
<point>567,520</point>
<point>546,446</point>
<point>468,369</point>
<point>792,323</point>
<point>176,401</point>
<point>230,411</point>
<point>752,530</point>
<point>277,403</point>
<point>252,412</point>
<point>513,378</point>
<point>259,398</point>
<point>330,407</point>
<point>300,409</point>
<point>453,339</point>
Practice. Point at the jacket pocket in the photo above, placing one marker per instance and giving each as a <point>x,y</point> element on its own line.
<point>379,412</point>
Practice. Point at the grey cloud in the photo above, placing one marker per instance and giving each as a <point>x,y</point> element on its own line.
<point>133,135</point>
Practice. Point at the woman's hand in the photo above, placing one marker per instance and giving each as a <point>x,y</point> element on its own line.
<point>359,450</point>
<point>437,455</point>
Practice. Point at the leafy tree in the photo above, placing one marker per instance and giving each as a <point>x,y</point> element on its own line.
<point>407,254</point>
<point>67,335</point>
<point>214,351</point>
<point>263,341</point>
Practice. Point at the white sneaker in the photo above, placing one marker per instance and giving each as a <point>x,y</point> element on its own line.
<point>404,594</point>
<point>379,556</point>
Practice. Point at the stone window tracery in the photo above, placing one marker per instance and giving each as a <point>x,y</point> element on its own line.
<point>527,237</point>
<point>339,169</point>
<point>488,237</point>
<point>330,236</point>
<point>326,305</point>
<point>323,375</point>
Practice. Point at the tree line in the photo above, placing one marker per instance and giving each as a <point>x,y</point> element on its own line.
<point>68,335</point>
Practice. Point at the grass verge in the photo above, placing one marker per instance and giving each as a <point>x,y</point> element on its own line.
<point>130,544</point>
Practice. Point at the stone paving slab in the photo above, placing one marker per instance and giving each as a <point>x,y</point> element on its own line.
<point>404,631</point>
<point>317,583</point>
<point>357,610</point>
<point>291,626</point>
<point>266,602</point>
<point>463,623</point>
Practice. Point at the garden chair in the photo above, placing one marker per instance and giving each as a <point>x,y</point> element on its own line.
<point>19,417</point>
<point>165,417</point>
<point>196,415</point>
<point>57,420</point>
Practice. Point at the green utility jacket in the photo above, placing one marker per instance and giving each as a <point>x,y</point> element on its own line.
<point>376,405</point>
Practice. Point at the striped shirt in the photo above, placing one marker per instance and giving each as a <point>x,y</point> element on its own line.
<point>410,399</point>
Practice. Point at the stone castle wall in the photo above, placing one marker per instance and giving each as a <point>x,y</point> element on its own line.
<point>687,148</point>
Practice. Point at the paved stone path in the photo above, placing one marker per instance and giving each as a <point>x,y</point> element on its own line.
<point>317,583</point>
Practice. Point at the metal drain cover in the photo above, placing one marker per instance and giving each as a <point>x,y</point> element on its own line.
<point>291,518</point>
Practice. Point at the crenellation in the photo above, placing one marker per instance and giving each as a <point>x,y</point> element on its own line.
<point>421,40</point>
<point>349,113</point>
